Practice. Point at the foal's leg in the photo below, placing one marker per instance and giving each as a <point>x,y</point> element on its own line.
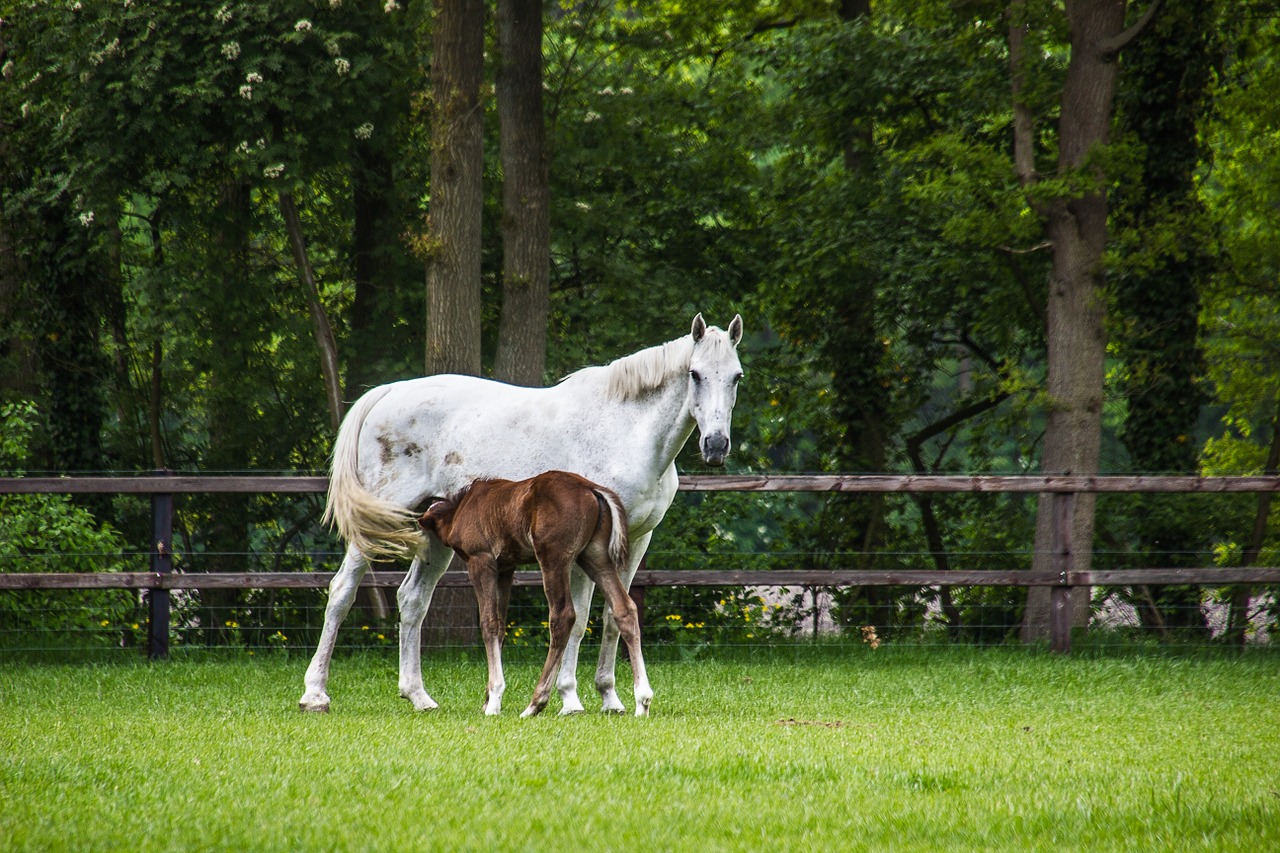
<point>413,599</point>
<point>627,618</point>
<point>561,620</point>
<point>606,678</point>
<point>483,572</point>
<point>342,592</point>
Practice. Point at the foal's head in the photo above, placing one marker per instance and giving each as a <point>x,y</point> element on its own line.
<point>438,518</point>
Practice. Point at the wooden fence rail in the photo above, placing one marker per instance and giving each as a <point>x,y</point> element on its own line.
<point>1062,581</point>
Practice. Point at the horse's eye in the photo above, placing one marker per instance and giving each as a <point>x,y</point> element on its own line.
<point>695,376</point>
<point>737,377</point>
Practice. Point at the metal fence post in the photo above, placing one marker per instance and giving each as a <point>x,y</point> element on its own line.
<point>161,564</point>
<point>1060,594</point>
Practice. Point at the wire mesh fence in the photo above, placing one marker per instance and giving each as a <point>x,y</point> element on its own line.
<point>276,522</point>
<point>682,622</point>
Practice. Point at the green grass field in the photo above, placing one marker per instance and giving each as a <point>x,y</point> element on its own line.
<point>891,749</point>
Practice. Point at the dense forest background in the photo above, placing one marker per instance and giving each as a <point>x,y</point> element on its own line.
<point>966,236</point>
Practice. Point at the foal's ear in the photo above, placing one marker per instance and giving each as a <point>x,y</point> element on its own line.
<point>699,327</point>
<point>428,519</point>
<point>735,329</point>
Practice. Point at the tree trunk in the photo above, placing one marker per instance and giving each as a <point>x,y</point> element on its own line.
<point>526,196</point>
<point>457,166</point>
<point>325,341</point>
<point>454,235</point>
<point>1077,228</point>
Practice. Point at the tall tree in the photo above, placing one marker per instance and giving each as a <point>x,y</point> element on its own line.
<point>457,169</point>
<point>526,202</point>
<point>454,235</point>
<point>1074,211</point>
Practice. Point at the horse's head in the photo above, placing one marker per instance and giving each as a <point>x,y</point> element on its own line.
<point>714,371</point>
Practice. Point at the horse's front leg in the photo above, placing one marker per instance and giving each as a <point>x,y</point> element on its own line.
<point>414,598</point>
<point>342,593</point>
<point>606,670</point>
<point>581,588</point>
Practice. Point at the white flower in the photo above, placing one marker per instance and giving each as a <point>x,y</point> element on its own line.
<point>253,77</point>
<point>273,171</point>
<point>246,92</point>
<point>607,90</point>
<point>303,26</point>
<point>591,116</point>
<point>626,90</point>
<point>243,147</point>
<point>86,218</point>
<point>334,4</point>
<point>231,49</point>
<point>364,131</point>
<point>223,15</point>
<point>341,65</point>
<point>390,6</point>
<point>7,69</point>
<point>582,205</point>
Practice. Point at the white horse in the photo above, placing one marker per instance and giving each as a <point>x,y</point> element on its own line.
<point>620,425</point>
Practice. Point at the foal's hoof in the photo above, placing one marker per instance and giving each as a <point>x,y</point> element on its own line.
<point>613,712</point>
<point>531,711</point>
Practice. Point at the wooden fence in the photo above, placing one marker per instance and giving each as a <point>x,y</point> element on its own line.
<point>1061,579</point>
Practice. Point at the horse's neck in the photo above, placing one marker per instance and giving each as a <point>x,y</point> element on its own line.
<point>662,417</point>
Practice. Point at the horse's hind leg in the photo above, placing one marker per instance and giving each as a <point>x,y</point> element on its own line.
<point>561,620</point>
<point>606,669</point>
<point>342,593</point>
<point>627,619</point>
<point>413,599</point>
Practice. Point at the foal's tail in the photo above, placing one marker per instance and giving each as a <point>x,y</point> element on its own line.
<point>618,546</point>
<point>374,526</point>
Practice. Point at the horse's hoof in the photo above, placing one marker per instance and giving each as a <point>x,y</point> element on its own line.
<point>420,700</point>
<point>615,712</point>
<point>531,711</point>
<point>314,704</point>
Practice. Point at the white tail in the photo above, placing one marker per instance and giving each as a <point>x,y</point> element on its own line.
<point>374,526</point>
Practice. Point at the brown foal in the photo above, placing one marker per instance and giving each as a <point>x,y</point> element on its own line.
<point>555,519</point>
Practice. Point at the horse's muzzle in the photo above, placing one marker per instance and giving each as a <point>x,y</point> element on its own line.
<point>715,447</point>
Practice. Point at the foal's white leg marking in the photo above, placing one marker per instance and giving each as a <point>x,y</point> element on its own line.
<point>606,678</point>
<point>342,593</point>
<point>581,588</point>
<point>413,598</point>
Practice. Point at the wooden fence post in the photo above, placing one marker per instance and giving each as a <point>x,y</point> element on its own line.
<point>161,564</point>
<point>1060,594</point>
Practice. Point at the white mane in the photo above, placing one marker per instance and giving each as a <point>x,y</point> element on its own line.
<point>630,376</point>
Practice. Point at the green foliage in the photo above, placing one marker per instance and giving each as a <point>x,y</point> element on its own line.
<point>847,185</point>
<point>51,533</point>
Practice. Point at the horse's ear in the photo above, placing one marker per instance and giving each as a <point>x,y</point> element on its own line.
<point>699,328</point>
<point>735,329</point>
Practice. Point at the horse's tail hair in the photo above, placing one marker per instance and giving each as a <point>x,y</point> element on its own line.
<point>373,526</point>
<point>618,545</point>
